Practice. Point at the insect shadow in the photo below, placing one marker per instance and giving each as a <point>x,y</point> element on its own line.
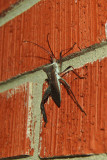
<point>55,77</point>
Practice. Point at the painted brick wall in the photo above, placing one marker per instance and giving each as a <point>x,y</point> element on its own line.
<point>6,4</point>
<point>71,132</point>
<point>67,22</point>
<point>16,121</point>
<point>68,131</point>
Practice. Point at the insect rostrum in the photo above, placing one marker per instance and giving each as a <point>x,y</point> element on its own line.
<point>54,78</point>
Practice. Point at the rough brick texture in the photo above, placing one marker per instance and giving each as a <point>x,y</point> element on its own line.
<point>15,122</point>
<point>69,131</point>
<point>67,22</point>
<point>6,4</point>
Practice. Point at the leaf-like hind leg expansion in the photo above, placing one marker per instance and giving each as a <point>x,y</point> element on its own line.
<point>44,99</point>
<point>72,71</point>
<point>65,84</point>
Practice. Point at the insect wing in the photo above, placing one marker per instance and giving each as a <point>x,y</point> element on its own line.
<point>54,84</point>
<point>55,89</point>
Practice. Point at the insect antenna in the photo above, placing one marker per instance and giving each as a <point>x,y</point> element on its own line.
<point>49,53</point>
<point>38,57</point>
<point>68,50</point>
<point>50,46</point>
<point>42,58</point>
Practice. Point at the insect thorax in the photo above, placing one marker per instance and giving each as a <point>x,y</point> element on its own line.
<point>52,68</point>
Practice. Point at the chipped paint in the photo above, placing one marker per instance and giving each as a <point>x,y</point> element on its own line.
<point>76,62</point>
<point>64,30</point>
<point>38,78</point>
<point>17,117</point>
<point>30,123</point>
<point>29,111</point>
<point>10,93</point>
<point>18,89</point>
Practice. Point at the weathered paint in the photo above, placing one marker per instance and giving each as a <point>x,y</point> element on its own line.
<point>15,122</point>
<point>68,22</point>
<point>38,78</point>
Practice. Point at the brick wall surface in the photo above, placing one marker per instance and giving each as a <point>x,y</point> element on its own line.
<point>68,131</point>
<point>15,122</point>
<point>66,21</point>
<point>71,132</point>
<point>6,4</point>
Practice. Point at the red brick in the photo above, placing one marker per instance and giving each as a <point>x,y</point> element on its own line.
<point>69,131</point>
<point>15,122</point>
<point>66,21</point>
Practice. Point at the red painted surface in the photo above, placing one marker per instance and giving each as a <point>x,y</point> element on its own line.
<point>66,21</point>
<point>69,131</point>
<point>15,122</point>
<point>5,4</point>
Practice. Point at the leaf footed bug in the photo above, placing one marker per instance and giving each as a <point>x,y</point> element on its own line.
<point>54,78</point>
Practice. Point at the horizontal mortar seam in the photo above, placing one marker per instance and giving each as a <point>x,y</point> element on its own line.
<point>67,58</point>
<point>15,10</point>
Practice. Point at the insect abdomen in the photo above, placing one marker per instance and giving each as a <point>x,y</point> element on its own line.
<point>54,83</point>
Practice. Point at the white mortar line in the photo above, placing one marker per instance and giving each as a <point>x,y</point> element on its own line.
<point>76,62</point>
<point>38,79</point>
<point>88,57</point>
<point>17,10</point>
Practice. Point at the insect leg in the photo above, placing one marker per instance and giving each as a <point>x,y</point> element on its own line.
<point>44,99</point>
<point>50,46</point>
<point>72,71</point>
<point>66,69</point>
<point>65,84</point>
<point>67,50</point>
<point>61,56</point>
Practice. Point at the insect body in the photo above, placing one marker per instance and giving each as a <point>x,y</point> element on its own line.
<point>53,81</point>
<point>54,78</point>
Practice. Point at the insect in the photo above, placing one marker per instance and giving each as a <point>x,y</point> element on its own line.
<point>55,77</point>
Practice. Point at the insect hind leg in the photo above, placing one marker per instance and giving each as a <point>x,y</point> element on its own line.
<point>65,84</point>
<point>44,99</point>
<point>72,71</point>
